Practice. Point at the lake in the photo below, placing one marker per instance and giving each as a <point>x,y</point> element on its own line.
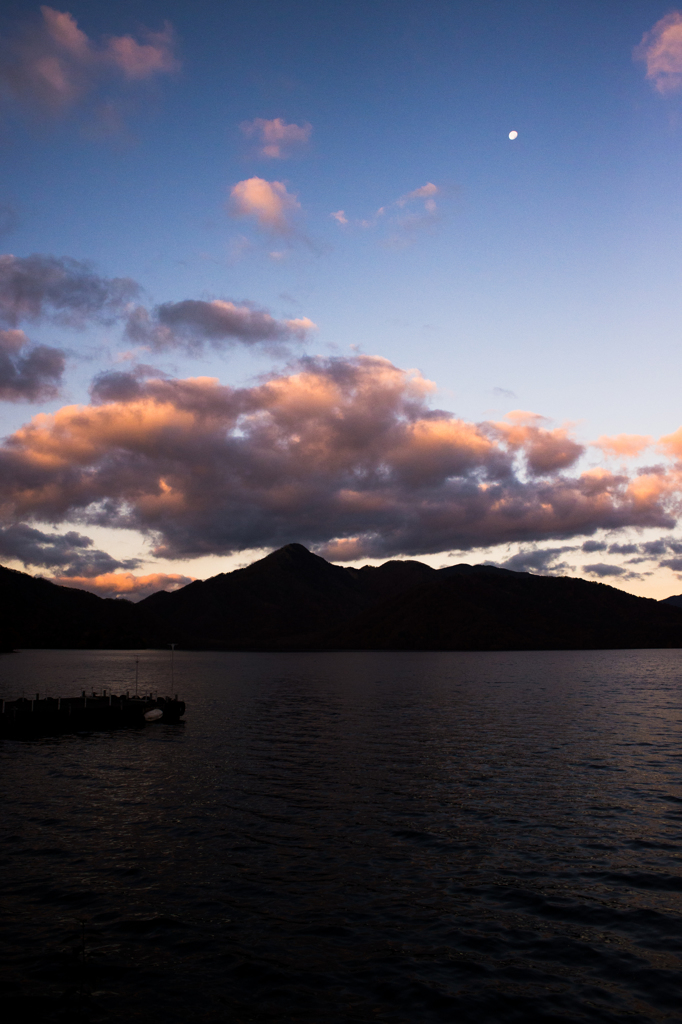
<point>470,837</point>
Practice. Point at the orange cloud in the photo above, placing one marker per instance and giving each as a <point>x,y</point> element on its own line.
<point>125,584</point>
<point>276,137</point>
<point>671,444</point>
<point>626,446</point>
<point>54,63</point>
<point>267,201</point>
<point>661,50</point>
<point>546,451</point>
<point>336,452</point>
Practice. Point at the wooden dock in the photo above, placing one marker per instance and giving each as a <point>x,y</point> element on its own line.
<point>51,716</point>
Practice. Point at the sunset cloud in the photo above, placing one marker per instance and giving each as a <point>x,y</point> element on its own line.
<point>545,451</point>
<point>267,201</point>
<point>661,51</point>
<point>65,291</point>
<point>52,64</point>
<point>277,138</point>
<point>125,584</point>
<point>28,373</point>
<point>341,454</point>
<point>192,322</point>
<point>626,446</point>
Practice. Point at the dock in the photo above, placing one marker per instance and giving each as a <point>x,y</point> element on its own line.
<point>53,716</point>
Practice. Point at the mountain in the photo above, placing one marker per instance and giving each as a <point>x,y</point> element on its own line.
<point>472,609</point>
<point>37,613</point>
<point>675,601</point>
<point>283,599</point>
<point>295,600</point>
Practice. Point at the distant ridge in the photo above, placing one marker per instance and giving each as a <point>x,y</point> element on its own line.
<point>295,600</point>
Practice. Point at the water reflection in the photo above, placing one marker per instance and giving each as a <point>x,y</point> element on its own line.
<point>396,837</point>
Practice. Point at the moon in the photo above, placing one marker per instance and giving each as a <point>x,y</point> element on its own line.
<point>513,135</point>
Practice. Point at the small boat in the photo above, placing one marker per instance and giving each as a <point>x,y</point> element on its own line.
<point>52,716</point>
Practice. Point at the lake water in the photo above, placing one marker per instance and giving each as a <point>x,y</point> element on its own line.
<point>462,837</point>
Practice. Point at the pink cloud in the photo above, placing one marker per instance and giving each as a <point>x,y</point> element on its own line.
<point>53,63</point>
<point>661,50</point>
<point>125,584</point>
<point>342,454</point>
<point>276,137</point>
<point>671,444</point>
<point>545,450</point>
<point>426,192</point>
<point>268,201</point>
<point>339,216</point>
<point>626,446</point>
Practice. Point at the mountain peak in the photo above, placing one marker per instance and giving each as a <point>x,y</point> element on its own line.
<point>291,554</point>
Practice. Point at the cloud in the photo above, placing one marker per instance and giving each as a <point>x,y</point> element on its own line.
<point>539,560</point>
<point>503,393</point>
<point>622,549</point>
<point>672,563</point>
<point>276,137</point>
<point>71,552</point>
<point>52,64</point>
<point>403,227</point>
<point>192,322</point>
<point>28,374</point>
<point>593,545</point>
<point>70,293</point>
<point>126,584</point>
<point>268,201</point>
<point>654,547</point>
<point>406,227</point>
<point>605,569</point>
<point>346,455</point>
<point>63,290</point>
<point>545,450</point>
<point>661,50</point>
<point>426,192</point>
<point>623,445</point>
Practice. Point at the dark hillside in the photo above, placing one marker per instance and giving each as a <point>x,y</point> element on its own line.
<point>290,591</point>
<point>295,600</point>
<point>503,610</point>
<point>37,613</point>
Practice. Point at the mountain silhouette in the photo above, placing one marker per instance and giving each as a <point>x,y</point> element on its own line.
<point>294,600</point>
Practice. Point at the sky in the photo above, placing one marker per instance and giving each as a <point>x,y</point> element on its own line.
<point>277,272</point>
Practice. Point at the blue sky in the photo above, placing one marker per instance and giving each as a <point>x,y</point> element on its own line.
<point>540,274</point>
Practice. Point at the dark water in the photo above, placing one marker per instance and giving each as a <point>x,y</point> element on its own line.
<point>352,837</point>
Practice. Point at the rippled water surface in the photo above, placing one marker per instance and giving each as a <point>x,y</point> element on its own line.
<point>351,837</point>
